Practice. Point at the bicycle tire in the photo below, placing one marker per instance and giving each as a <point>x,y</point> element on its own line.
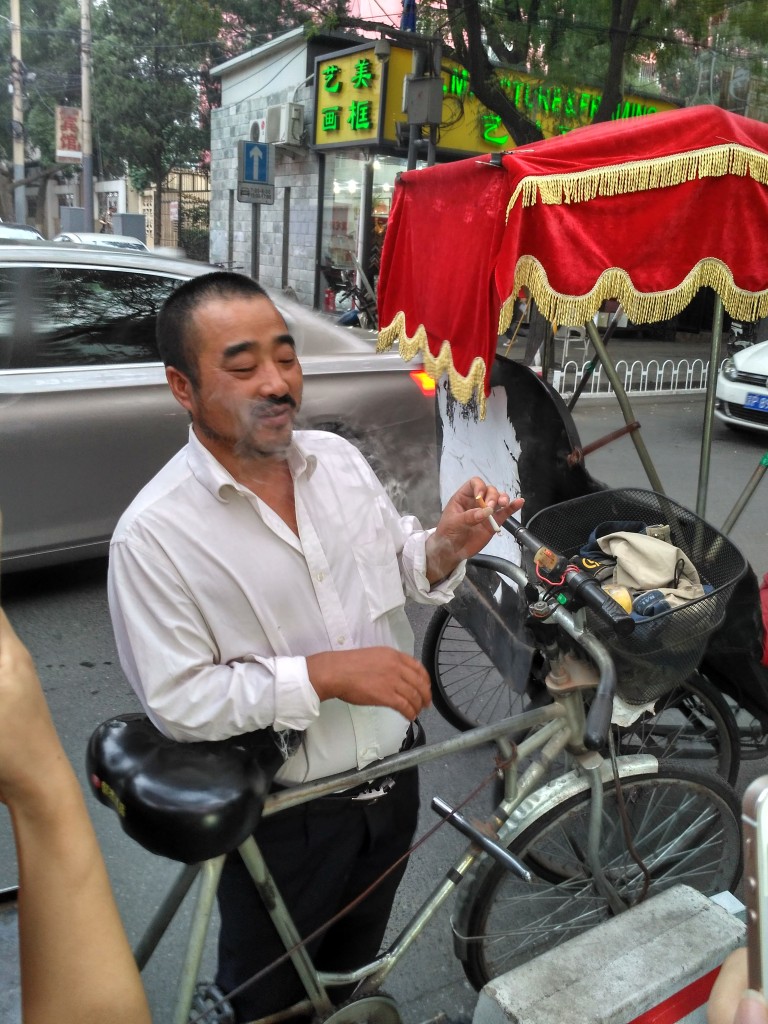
<point>685,826</point>
<point>694,722</point>
<point>467,688</point>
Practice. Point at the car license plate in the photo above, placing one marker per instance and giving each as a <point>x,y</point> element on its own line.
<point>755,401</point>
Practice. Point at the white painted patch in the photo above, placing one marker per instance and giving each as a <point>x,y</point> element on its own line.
<point>486,448</point>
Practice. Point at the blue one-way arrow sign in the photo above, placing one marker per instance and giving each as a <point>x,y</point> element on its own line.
<point>255,172</point>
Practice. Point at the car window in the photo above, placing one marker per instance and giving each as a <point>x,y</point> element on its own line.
<point>74,316</point>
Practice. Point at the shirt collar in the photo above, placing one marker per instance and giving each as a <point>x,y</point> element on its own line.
<point>209,472</point>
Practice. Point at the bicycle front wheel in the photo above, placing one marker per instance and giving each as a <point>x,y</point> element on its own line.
<point>684,827</point>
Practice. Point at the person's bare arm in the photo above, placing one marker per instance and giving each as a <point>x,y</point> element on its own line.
<point>76,964</point>
<point>387,677</point>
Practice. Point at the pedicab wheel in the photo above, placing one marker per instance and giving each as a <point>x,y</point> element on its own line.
<point>467,688</point>
<point>692,723</point>
<point>210,1004</point>
<point>685,826</point>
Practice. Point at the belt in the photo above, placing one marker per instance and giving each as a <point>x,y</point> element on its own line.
<point>375,789</point>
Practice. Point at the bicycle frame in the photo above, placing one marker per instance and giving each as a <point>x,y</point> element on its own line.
<point>554,727</point>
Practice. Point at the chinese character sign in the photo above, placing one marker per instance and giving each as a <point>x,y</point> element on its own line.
<point>359,101</point>
<point>349,97</point>
<point>68,135</point>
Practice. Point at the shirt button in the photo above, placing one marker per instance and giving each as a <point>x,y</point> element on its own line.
<point>341,639</point>
<point>320,577</point>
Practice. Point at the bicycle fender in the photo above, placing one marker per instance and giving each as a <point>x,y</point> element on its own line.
<point>538,803</point>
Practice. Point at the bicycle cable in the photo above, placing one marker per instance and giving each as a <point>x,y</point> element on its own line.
<point>624,817</point>
<point>500,765</point>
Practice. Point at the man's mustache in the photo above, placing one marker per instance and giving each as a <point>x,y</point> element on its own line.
<point>273,400</point>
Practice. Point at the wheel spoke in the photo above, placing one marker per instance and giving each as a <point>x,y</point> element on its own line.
<point>685,829</point>
<point>692,723</point>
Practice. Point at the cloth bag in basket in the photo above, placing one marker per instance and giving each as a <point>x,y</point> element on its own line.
<point>646,563</point>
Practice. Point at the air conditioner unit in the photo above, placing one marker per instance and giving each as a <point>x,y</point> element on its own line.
<point>285,124</point>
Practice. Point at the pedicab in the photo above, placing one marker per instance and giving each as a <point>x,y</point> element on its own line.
<point>645,211</point>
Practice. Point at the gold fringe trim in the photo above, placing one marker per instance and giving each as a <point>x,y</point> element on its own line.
<point>463,388</point>
<point>640,307</point>
<point>641,175</point>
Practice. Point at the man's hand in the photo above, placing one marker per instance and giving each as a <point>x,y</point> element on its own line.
<point>464,527</point>
<point>372,676</point>
<point>29,746</point>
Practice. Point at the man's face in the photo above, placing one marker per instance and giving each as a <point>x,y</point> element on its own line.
<point>249,380</point>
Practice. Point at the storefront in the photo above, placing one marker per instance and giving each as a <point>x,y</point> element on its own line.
<point>359,131</point>
<point>332,107</point>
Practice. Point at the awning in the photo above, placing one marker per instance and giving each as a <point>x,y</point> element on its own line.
<point>646,211</point>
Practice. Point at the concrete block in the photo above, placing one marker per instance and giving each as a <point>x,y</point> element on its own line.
<point>671,945</point>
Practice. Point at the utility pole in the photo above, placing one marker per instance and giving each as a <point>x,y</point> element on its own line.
<point>86,65</point>
<point>17,124</point>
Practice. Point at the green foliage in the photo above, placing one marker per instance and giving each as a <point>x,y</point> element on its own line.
<point>50,51</point>
<point>612,45</point>
<point>147,60</point>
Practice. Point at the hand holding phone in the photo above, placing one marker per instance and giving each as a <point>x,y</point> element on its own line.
<point>754,820</point>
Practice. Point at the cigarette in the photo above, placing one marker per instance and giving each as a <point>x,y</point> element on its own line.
<point>481,502</point>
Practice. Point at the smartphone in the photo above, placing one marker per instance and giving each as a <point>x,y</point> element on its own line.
<point>754,819</point>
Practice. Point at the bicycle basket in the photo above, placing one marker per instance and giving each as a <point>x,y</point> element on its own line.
<point>665,649</point>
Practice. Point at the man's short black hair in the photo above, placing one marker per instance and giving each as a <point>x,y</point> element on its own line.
<point>175,339</point>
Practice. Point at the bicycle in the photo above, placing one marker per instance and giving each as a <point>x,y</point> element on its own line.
<point>691,721</point>
<point>558,857</point>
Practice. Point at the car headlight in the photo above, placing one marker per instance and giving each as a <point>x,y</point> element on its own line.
<point>729,370</point>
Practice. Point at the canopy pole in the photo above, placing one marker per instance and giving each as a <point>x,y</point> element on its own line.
<point>624,404</point>
<point>746,494</point>
<point>709,407</point>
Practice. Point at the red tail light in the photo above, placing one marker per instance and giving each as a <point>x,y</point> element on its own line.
<point>423,381</point>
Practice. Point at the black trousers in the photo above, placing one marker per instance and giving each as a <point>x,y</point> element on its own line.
<point>321,855</point>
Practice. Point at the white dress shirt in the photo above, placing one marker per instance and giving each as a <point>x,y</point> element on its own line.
<point>216,603</point>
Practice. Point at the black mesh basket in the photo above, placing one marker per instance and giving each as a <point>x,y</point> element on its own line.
<point>665,649</point>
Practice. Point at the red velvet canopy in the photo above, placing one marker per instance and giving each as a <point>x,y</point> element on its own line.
<point>646,211</point>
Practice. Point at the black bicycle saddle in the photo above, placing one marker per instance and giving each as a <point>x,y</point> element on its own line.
<point>186,801</point>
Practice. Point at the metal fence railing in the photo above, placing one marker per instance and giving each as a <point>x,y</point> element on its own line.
<point>639,377</point>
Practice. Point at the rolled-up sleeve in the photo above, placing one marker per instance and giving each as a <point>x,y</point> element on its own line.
<point>413,567</point>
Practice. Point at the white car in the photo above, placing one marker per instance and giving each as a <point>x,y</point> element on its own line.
<point>126,242</point>
<point>742,389</point>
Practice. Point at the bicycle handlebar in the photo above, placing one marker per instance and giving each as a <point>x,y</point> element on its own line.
<point>592,594</point>
<point>601,708</point>
<point>579,583</point>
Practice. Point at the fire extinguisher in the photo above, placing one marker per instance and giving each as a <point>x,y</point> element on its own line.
<point>329,303</point>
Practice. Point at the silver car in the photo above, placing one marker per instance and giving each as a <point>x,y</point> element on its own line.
<point>86,416</point>
<point>106,240</point>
